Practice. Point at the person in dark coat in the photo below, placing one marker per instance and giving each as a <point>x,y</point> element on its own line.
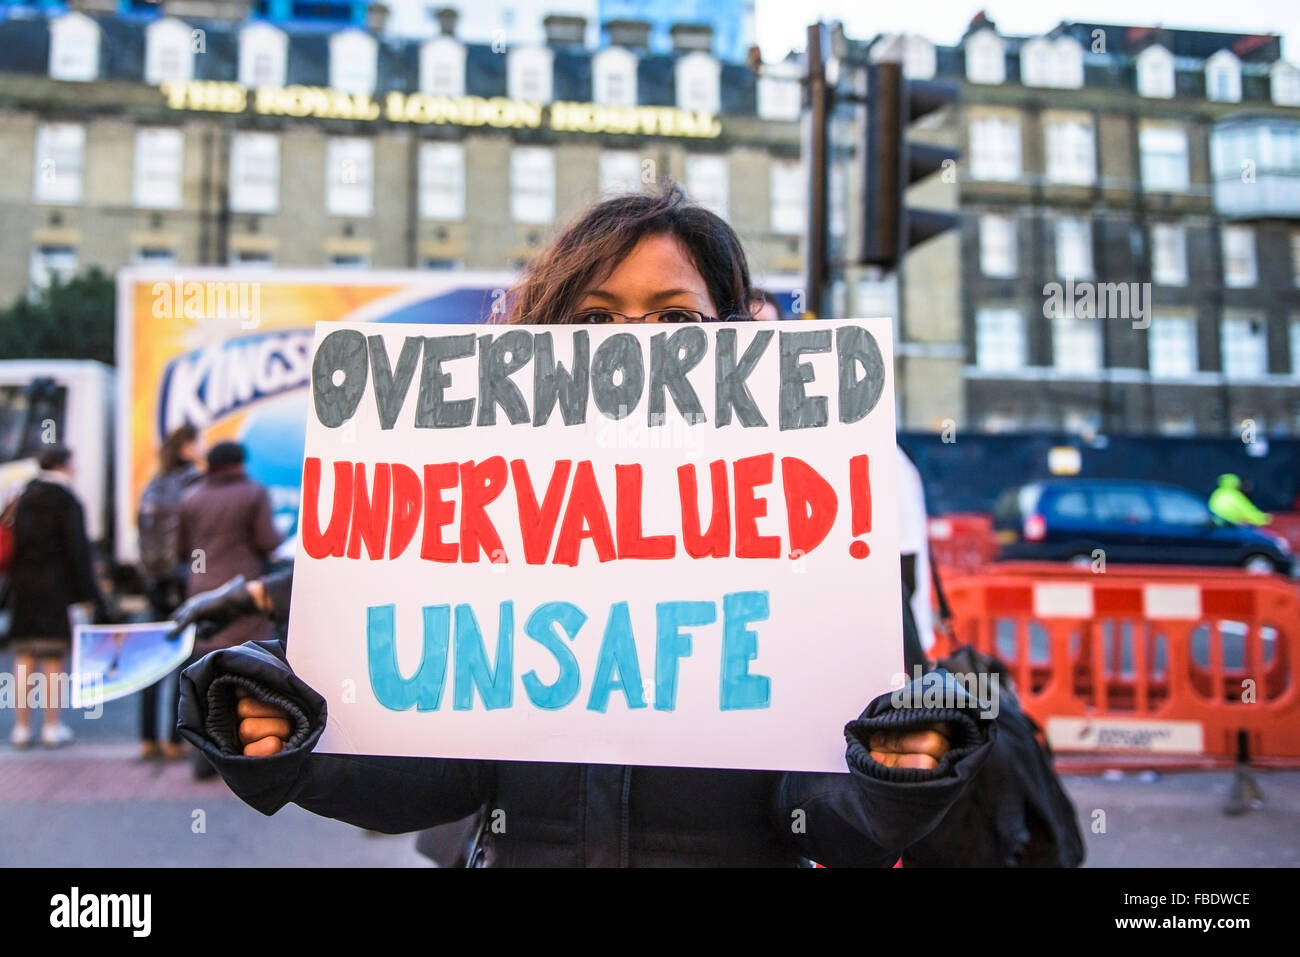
<point>655,258</point>
<point>52,571</point>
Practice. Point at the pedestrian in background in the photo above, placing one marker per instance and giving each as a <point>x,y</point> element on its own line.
<point>52,571</point>
<point>158,523</point>
<point>763,306</point>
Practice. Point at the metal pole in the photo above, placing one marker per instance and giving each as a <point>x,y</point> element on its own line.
<point>815,115</point>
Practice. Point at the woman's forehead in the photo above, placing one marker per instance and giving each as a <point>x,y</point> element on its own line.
<point>656,264</point>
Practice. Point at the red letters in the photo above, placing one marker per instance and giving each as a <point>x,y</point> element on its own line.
<point>537,525</point>
<point>335,538</point>
<point>750,472</point>
<point>438,513</point>
<point>631,543</point>
<point>584,518</point>
<point>480,484</point>
<point>716,542</point>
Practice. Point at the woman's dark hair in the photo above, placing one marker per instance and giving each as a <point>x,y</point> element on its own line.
<point>593,245</point>
<point>55,457</point>
<point>170,453</point>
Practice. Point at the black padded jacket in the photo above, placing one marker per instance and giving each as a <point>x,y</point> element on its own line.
<point>589,815</point>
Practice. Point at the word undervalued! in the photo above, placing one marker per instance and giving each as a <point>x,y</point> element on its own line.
<point>555,625</point>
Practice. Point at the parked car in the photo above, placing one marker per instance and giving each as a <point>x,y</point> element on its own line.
<point>1131,522</point>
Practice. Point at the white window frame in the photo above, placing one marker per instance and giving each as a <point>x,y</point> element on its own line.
<point>1155,73</point>
<point>995,328</point>
<point>780,96</point>
<point>350,176</point>
<point>1152,140</point>
<point>999,246</point>
<point>354,61</point>
<point>1057,64</point>
<point>919,58</point>
<point>74,48</point>
<point>1240,261</point>
<point>159,167</point>
<point>442,181</point>
<point>697,77</point>
<point>169,54</point>
<point>1076,344</point>
<point>530,74</point>
<point>1171,347</point>
<point>986,57</point>
<point>532,184</point>
<point>60,163</point>
<point>613,77</point>
<point>618,172</point>
<point>41,266</point>
<point>1073,241</point>
<point>708,182</point>
<point>1243,344</point>
<point>1071,146</point>
<point>254,153</point>
<point>263,55</point>
<point>1284,84</point>
<point>1168,254</point>
<point>996,148</point>
<point>442,67</point>
<point>789,185</point>
<point>1223,77</point>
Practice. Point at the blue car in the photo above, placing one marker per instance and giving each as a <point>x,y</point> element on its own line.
<point>1131,522</point>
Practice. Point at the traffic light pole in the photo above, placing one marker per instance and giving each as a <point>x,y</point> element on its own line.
<point>817,103</point>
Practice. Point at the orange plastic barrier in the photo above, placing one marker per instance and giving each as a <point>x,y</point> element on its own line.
<point>962,542</point>
<point>1162,665</point>
<point>1286,524</point>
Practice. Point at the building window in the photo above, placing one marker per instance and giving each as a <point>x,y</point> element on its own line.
<point>1293,331</point>
<point>706,182</point>
<point>1244,347</point>
<point>1285,84</point>
<point>780,97</point>
<point>442,181</point>
<point>698,77</point>
<point>442,67</point>
<point>49,264</point>
<point>532,184</point>
<point>1223,77</point>
<point>614,77</point>
<point>60,151</point>
<point>438,264</point>
<point>1168,255</point>
<point>995,148</point>
<point>1074,248</point>
<point>619,172</point>
<point>1052,63</point>
<point>254,173</point>
<point>349,261</point>
<point>1171,347</point>
<point>263,55</point>
<point>154,256</point>
<point>1071,152</point>
<point>999,339</point>
<point>74,47</point>
<point>789,206</point>
<point>158,153</point>
<point>1164,158</point>
<point>353,61</point>
<point>1239,256</point>
<point>1155,73</point>
<point>986,60</point>
<point>253,258</point>
<point>1076,344</point>
<point>998,253</point>
<point>168,56</point>
<point>350,177</point>
<point>529,74</point>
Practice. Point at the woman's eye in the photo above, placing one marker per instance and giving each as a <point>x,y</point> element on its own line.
<point>596,317</point>
<point>677,315</point>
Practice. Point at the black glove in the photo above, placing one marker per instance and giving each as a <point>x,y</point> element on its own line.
<point>211,611</point>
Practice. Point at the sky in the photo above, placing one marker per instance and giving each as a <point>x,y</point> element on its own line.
<point>781,25</point>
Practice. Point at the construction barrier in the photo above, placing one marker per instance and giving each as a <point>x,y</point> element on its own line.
<point>962,542</point>
<point>1165,666</point>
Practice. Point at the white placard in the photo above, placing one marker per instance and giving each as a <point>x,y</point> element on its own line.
<point>499,561</point>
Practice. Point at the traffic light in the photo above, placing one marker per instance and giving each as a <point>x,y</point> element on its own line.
<point>894,103</point>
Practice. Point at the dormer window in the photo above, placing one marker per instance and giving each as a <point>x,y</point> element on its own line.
<point>168,55</point>
<point>1285,81</point>
<point>353,61</point>
<point>698,77</point>
<point>74,47</point>
<point>986,60</point>
<point>1223,77</point>
<point>1052,63</point>
<point>529,74</point>
<point>442,67</point>
<point>263,55</point>
<point>780,96</point>
<point>613,76</point>
<point>918,58</point>
<point>1155,73</point>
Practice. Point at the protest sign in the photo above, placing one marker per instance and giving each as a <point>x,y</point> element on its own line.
<point>113,661</point>
<point>631,544</point>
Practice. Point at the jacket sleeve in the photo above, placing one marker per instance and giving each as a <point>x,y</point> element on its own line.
<point>867,817</point>
<point>387,794</point>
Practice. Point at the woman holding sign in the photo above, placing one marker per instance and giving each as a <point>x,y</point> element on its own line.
<point>635,258</point>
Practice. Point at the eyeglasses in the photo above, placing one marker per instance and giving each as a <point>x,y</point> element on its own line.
<point>604,316</point>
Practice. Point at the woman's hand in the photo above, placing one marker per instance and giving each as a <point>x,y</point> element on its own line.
<point>263,728</point>
<point>916,748</point>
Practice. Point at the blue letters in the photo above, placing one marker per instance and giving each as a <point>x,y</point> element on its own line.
<point>671,643</point>
<point>539,627</point>
<point>617,657</point>
<point>739,688</point>
<point>496,686</point>
<point>422,690</point>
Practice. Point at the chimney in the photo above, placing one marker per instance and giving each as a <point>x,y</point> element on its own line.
<point>565,30</point>
<point>691,37</point>
<point>633,34</point>
<point>376,17</point>
<point>447,17</point>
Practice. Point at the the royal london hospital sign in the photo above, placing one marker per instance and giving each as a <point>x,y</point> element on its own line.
<point>396,107</point>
